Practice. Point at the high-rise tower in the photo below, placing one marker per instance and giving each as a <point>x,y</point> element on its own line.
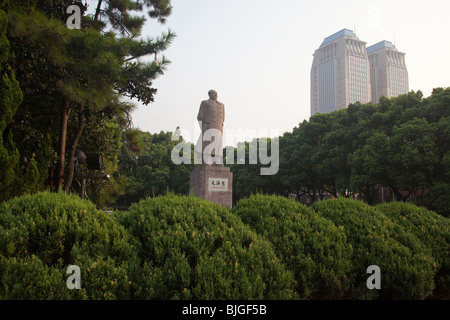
<point>340,73</point>
<point>388,73</point>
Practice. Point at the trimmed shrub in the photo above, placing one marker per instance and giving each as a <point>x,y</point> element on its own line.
<point>28,278</point>
<point>310,245</point>
<point>407,268</point>
<point>192,249</point>
<point>434,232</point>
<point>41,235</point>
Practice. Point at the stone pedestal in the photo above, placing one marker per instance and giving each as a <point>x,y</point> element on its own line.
<point>213,183</point>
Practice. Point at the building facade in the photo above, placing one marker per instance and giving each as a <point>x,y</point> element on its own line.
<point>339,74</point>
<point>344,71</point>
<point>388,73</point>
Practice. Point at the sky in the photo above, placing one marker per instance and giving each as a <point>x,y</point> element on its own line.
<point>257,54</point>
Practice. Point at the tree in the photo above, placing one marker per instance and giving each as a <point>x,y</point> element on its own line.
<point>333,153</point>
<point>368,168</point>
<point>438,104</point>
<point>400,144</point>
<point>103,136</point>
<point>20,172</point>
<point>85,70</point>
<point>412,155</point>
<point>396,150</point>
<point>302,170</point>
<point>248,164</point>
<point>145,160</point>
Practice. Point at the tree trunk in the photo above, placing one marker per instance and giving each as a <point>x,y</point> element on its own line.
<point>370,195</point>
<point>397,193</point>
<point>97,11</point>
<point>73,148</point>
<point>62,146</point>
<point>312,195</point>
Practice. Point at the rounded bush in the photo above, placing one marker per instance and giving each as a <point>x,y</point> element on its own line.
<point>192,249</point>
<point>407,268</point>
<point>311,246</point>
<point>42,235</point>
<point>434,232</point>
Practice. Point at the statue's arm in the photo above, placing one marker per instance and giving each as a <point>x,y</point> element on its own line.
<point>201,112</point>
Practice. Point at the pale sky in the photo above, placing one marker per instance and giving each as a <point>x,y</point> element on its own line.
<point>257,54</point>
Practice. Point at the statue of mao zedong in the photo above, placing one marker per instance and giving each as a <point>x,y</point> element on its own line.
<point>211,117</point>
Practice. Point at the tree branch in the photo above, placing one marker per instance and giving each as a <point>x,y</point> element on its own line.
<point>76,140</point>
<point>97,11</point>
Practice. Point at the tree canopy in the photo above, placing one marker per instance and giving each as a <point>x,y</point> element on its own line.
<point>62,83</point>
<point>400,145</point>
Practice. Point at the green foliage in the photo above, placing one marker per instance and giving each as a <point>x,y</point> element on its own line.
<point>181,247</point>
<point>247,177</point>
<point>311,246</point>
<point>103,135</point>
<point>192,249</point>
<point>41,235</point>
<point>401,144</point>
<point>145,159</point>
<point>437,199</point>
<point>434,232</point>
<point>300,169</point>
<point>407,267</point>
<point>28,278</point>
<point>11,97</point>
<point>20,171</point>
<point>85,70</point>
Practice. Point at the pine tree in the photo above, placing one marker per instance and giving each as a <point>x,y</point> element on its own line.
<point>10,98</point>
<point>70,73</point>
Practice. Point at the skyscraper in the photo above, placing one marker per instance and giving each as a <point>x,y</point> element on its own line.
<point>339,74</point>
<point>344,71</point>
<point>388,73</point>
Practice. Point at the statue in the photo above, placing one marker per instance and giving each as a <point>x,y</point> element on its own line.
<point>211,117</point>
<point>212,181</point>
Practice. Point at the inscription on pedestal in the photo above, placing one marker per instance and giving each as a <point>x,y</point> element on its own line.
<point>217,184</point>
<point>213,183</point>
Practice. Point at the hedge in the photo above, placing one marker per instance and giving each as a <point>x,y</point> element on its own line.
<point>181,247</point>
<point>41,235</point>
<point>407,267</point>
<point>310,245</point>
<point>192,249</point>
<point>434,232</point>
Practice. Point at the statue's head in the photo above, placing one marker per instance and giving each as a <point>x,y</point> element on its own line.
<point>212,94</point>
